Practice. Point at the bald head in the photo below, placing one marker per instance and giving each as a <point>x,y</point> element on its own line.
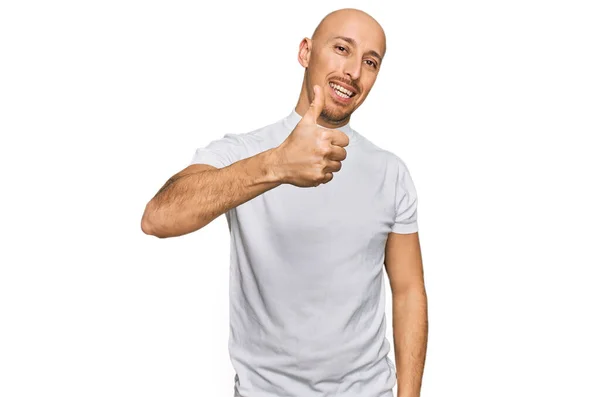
<point>333,21</point>
<point>343,58</point>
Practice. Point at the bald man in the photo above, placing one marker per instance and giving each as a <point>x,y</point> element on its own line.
<point>308,249</point>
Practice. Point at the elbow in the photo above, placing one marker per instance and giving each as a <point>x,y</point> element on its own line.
<point>151,229</point>
<point>148,224</point>
<point>155,223</point>
<point>412,290</point>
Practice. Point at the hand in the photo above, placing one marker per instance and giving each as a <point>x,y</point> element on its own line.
<point>311,154</point>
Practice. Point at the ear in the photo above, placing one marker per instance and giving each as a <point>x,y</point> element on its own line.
<point>304,52</point>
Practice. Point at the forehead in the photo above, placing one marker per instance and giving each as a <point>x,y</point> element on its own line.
<point>364,32</point>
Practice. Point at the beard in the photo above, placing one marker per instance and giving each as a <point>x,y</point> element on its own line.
<point>335,116</point>
<point>331,114</point>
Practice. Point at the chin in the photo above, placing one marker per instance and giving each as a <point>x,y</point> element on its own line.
<point>335,116</point>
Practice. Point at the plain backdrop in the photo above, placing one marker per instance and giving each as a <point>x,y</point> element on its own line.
<point>493,105</point>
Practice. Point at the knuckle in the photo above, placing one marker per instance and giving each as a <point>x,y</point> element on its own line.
<point>323,134</point>
<point>322,150</point>
<point>322,164</point>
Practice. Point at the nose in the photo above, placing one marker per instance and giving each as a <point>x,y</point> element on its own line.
<point>352,67</point>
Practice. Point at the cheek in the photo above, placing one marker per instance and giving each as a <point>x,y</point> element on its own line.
<point>320,67</point>
<point>329,65</point>
<point>367,83</point>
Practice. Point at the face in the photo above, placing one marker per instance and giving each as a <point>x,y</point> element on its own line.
<point>344,59</point>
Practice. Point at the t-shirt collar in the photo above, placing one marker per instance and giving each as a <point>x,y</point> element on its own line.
<point>294,118</point>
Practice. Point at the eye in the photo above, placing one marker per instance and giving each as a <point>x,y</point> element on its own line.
<point>371,63</point>
<point>341,48</point>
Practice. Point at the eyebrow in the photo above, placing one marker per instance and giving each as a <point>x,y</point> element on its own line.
<point>353,42</point>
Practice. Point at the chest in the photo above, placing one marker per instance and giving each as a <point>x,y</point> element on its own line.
<point>350,215</point>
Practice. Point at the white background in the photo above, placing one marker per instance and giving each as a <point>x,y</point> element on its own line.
<point>493,106</point>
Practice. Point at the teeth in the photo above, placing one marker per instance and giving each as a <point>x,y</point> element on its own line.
<point>342,90</point>
<point>342,94</point>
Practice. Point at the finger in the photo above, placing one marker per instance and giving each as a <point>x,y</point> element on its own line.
<point>333,166</point>
<point>337,153</point>
<point>316,106</point>
<point>339,138</point>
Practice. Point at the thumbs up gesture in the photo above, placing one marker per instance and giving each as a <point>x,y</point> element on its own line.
<point>311,154</point>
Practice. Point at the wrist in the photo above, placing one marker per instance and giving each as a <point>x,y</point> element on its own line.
<point>273,166</point>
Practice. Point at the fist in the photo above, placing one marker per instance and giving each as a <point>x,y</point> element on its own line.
<point>311,154</point>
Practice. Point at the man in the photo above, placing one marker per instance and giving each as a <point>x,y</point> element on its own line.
<point>307,307</point>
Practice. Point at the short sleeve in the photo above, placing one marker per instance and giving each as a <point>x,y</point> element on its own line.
<point>406,203</point>
<point>221,152</point>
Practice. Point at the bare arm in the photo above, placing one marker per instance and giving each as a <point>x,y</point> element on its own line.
<point>194,197</point>
<point>409,310</point>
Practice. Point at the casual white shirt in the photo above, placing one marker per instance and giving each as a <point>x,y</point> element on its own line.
<point>307,300</point>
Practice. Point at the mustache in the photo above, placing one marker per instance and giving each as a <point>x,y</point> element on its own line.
<point>351,83</point>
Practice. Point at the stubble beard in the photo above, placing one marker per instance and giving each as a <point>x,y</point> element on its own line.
<point>329,115</point>
<point>335,117</point>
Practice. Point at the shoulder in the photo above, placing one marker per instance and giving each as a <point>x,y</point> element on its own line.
<point>259,135</point>
<point>374,151</point>
<point>252,142</point>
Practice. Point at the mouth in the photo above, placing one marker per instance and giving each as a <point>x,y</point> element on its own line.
<point>342,92</point>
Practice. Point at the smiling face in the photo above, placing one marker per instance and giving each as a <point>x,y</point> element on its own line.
<point>343,57</point>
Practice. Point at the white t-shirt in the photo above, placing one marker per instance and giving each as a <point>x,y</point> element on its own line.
<point>307,314</point>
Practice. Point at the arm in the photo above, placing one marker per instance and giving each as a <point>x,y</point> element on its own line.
<point>194,197</point>
<point>404,267</point>
<point>197,195</point>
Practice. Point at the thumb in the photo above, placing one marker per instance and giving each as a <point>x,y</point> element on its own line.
<point>316,106</point>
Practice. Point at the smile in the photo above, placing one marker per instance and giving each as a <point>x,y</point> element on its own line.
<point>341,91</point>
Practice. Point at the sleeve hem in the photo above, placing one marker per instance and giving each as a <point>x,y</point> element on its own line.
<point>401,228</point>
<point>206,157</point>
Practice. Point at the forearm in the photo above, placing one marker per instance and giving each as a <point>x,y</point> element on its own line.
<point>190,201</point>
<point>410,328</point>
